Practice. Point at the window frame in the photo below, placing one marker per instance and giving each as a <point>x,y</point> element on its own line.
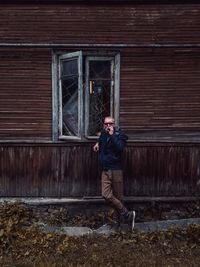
<point>72,55</point>
<point>87,98</point>
<point>56,95</point>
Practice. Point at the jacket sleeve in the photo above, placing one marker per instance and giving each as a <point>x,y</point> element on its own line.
<point>119,141</point>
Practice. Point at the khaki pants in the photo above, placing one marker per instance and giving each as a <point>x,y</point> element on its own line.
<point>112,189</point>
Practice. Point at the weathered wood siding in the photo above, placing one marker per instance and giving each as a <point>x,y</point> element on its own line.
<point>140,24</point>
<point>159,97</point>
<point>48,170</point>
<point>160,93</point>
<point>25,94</point>
<point>162,170</point>
<point>72,170</point>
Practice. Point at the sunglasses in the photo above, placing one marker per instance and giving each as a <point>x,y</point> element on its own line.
<point>108,123</point>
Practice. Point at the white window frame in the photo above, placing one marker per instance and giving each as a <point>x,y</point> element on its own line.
<point>83,99</point>
<point>77,55</point>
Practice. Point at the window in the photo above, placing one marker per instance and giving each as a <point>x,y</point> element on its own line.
<point>87,90</point>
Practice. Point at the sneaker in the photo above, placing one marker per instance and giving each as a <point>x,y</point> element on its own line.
<point>129,217</point>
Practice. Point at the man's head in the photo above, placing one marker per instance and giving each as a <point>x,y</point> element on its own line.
<point>109,122</point>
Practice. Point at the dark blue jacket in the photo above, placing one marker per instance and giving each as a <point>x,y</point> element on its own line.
<point>111,148</point>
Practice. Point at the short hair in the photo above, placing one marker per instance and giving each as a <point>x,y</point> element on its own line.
<point>109,117</point>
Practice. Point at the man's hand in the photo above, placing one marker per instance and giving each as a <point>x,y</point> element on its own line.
<point>110,130</point>
<point>96,147</point>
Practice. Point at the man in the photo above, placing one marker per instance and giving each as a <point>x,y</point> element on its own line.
<point>110,147</point>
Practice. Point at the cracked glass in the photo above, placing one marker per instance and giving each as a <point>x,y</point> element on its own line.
<point>69,87</point>
<point>99,94</point>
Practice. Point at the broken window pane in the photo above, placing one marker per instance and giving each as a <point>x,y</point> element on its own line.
<point>99,94</point>
<point>70,97</point>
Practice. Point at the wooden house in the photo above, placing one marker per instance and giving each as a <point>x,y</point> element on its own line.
<point>65,64</point>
